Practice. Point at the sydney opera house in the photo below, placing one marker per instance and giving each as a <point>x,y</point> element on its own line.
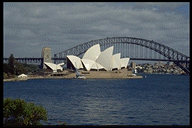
<point>95,59</point>
<point>54,67</point>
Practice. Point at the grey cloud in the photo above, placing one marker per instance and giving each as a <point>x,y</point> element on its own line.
<point>169,6</point>
<point>64,25</point>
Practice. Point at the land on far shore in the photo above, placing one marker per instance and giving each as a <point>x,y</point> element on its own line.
<point>68,74</point>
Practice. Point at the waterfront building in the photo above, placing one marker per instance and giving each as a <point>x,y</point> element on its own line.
<point>169,63</point>
<point>94,59</point>
<point>54,67</point>
<point>133,65</point>
<point>22,76</point>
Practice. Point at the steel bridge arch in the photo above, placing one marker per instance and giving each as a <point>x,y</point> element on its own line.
<point>177,57</point>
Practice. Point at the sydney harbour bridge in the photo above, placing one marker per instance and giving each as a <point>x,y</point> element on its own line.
<point>134,48</point>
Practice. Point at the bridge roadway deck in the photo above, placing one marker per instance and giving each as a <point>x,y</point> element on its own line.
<point>56,59</point>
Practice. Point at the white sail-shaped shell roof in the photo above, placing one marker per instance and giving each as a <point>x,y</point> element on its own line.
<point>95,59</point>
<point>54,67</point>
<point>92,53</point>
<point>104,58</point>
<point>124,62</point>
<point>115,61</point>
<point>60,64</point>
<point>51,65</point>
<point>97,66</point>
<point>76,61</point>
<point>87,63</point>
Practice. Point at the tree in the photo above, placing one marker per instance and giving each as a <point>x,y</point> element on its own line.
<point>11,64</point>
<point>19,68</point>
<point>5,68</point>
<point>19,112</point>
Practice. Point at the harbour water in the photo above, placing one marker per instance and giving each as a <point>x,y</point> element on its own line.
<point>154,100</point>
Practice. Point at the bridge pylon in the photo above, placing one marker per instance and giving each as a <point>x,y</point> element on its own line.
<point>46,55</point>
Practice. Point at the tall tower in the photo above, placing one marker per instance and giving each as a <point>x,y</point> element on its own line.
<point>46,55</point>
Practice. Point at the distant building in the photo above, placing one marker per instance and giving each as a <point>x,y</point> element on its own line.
<point>22,76</point>
<point>169,63</point>
<point>133,65</point>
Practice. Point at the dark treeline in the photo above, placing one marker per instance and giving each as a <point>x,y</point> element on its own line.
<point>14,67</point>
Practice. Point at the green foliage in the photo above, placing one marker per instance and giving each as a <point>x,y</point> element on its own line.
<point>15,68</point>
<point>19,112</point>
<point>31,68</point>
<point>11,64</point>
<point>5,68</point>
<point>20,68</point>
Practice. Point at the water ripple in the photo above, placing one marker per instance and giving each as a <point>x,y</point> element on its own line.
<point>155,101</point>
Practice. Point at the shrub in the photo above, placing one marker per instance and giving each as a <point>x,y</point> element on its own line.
<point>19,112</point>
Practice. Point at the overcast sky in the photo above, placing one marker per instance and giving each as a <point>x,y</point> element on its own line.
<point>28,27</point>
